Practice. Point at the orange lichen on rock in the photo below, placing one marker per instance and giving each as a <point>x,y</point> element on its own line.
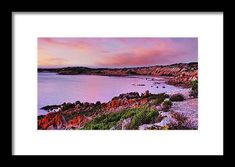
<point>52,119</point>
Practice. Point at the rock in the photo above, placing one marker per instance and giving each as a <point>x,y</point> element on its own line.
<point>166,105</point>
<point>145,126</point>
<point>78,121</point>
<point>194,78</point>
<point>115,103</point>
<point>182,73</point>
<point>62,124</point>
<point>146,94</point>
<point>127,95</point>
<point>55,110</point>
<point>118,126</point>
<point>98,103</point>
<point>77,103</point>
<point>51,128</point>
<point>140,85</point>
<point>50,107</point>
<point>160,117</point>
<point>126,123</point>
<point>133,95</point>
<point>150,127</point>
<point>177,97</point>
<point>54,119</point>
<point>66,106</point>
<point>77,116</point>
<point>159,108</point>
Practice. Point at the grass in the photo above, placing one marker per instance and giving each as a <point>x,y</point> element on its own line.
<point>107,121</point>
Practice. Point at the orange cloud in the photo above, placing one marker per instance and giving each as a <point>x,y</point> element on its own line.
<point>52,62</point>
<point>115,52</point>
<point>141,56</point>
<point>72,43</point>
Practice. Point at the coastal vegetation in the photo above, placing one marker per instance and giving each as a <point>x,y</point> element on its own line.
<point>138,116</point>
<point>177,97</point>
<point>194,88</point>
<point>166,105</point>
<point>128,111</point>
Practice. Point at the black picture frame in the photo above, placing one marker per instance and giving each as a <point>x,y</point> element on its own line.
<point>8,14</point>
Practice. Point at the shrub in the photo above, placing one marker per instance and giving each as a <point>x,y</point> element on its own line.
<point>128,113</point>
<point>50,107</point>
<point>66,106</point>
<point>158,99</point>
<point>194,88</point>
<point>41,116</point>
<point>177,97</point>
<point>132,73</point>
<point>143,117</point>
<point>166,105</point>
<point>107,121</point>
<point>182,122</point>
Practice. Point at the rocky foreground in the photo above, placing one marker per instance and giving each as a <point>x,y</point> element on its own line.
<point>175,110</point>
<point>126,111</point>
<point>179,74</point>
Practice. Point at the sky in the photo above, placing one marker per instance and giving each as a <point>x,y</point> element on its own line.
<point>115,52</point>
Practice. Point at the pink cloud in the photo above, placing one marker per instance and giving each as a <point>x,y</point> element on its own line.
<point>70,43</point>
<point>50,62</point>
<point>117,52</point>
<point>160,53</point>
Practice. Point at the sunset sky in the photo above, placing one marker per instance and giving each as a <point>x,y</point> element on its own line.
<point>115,52</point>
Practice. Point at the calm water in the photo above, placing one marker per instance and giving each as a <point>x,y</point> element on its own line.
<point>56,89</point>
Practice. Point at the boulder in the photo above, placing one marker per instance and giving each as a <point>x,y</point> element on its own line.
<point>159,108</point>
<point>146,93</point>
<point>54,119</point>
<point>51,128</point>
<point>146,126</point>
<point>126,123</point>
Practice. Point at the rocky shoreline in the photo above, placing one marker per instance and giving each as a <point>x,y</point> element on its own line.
<point>180,74</point>
<point>130,111</point>
<point>126,111</point>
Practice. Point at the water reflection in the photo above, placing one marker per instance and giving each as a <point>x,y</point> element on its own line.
<point>56,89</point>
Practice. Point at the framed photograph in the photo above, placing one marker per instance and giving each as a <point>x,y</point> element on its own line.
<point>118,83</point>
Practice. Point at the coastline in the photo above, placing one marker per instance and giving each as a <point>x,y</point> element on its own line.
<point>181,73</point>
<point>123,112</point>
<point>154,81</point>
<point>78,115</point>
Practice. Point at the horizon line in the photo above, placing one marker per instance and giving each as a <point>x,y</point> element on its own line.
<point>113,67</point>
